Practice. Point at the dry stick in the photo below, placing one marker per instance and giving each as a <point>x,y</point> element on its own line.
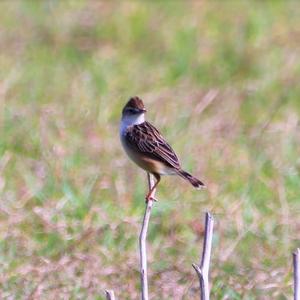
<point>296,263</point>
<point>203,269</point>
<point>142,243</point>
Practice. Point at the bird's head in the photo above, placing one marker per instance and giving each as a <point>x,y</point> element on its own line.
<point>134,111</point>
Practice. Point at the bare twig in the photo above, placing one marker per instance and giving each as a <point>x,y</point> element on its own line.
<point>110,295</point>
<point>203,269</point>
<point>206,101</point>
<point>142,243</point>
<point>296,264</point>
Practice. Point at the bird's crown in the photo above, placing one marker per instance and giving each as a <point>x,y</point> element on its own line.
<point>134,104</point>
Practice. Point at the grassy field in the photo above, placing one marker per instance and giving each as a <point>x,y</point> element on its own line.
<point>219,79</point>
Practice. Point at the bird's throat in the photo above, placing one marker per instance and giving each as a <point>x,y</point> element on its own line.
<point>127,121</point>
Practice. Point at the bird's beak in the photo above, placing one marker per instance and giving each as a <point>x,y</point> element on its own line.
<point>143,110</point>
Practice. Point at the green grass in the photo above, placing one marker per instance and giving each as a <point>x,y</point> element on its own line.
<point>72,203</point>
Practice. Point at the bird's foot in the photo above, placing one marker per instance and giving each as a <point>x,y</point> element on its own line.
<point>150,197</point>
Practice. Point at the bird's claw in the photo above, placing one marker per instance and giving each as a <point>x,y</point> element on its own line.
<point>148,198</point>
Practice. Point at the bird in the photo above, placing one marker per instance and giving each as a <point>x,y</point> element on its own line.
<point>145,146</point>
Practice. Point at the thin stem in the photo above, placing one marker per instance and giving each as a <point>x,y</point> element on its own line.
<point>296,264</point>
<point>203,270</point>
<point>142,242</point>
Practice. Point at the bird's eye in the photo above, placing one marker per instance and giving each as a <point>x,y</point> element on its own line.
<point>133,111</point>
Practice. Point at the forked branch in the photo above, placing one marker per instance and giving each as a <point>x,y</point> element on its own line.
<point>203,269</point>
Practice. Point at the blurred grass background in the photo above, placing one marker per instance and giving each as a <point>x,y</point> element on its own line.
<point>219,79</point>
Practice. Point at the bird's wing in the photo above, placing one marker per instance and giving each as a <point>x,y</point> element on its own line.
<point>145,138</point>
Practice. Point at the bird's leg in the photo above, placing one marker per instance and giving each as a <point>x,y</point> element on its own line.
<point>152,189</point>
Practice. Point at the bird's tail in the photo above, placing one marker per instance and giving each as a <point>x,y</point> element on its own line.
<point>193,180</point>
